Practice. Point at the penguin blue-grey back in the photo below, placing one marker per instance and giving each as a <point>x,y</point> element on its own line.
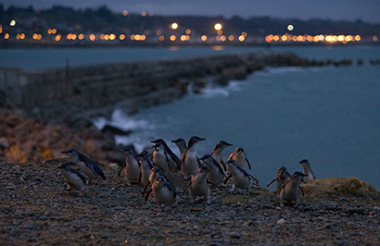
<point>87,166</point>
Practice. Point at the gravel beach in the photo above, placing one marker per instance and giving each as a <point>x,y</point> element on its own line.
<point>36,209</point>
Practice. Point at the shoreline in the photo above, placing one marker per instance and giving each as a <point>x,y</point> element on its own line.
<point>37,210</point>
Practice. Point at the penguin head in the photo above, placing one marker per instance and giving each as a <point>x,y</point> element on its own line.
<point>194,140</point>
<point>298,176</point>
<point>71,152</point>
<point>239,150</point>
<point>156,170</point>
<point>180,142</point>
<point>158,146</point>
<point>304,162</point>
<point>231,163</point>
<point>143,156</point>
<point>222,145</point>
<point>204,169</point>
<point>128,150</point>
<point>281,170</point>
<point>63,166</point>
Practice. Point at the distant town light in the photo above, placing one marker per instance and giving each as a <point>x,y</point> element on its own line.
<point>173,38</point>
<point>231,38</point>
<point>188,31</point>
<point>204,38</point>
<point>92,37</point>
<point>125,12</point>
<point>241,38</point>
<point>12,23</point>
<point>81,36</point>
<point>58,37</point>
<point>174,26</point>
<point>357,38</point>
<point>6,36</point>
<point>143,14</point>
<point>218,26</point>
<point>290,27</point>
<point>375,38</point>
<point>161,38</point>
<point>121,36</point>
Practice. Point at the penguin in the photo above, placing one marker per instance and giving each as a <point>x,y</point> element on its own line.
<point>282,176</point>
<point>74,178</point>
<point>171,159</point>
<point>164,192</point>
<point>289,191</point>
<point>241,179</point>
<point>181,144</point>
<point>240,157</point>
<point>132,168</point>
<point>159,157</point>
<point>87,166</point>
<point>217,152</point>
<point>190,162</point>
<point>216,175</point>
<point>146,165</point>
<point>155,172</point>
<point>199,185</point>
<point>307,171</point>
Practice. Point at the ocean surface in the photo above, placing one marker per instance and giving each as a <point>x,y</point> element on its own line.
<point>328,115</point>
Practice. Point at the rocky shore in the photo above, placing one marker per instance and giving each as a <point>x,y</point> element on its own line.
<point>36,209</point>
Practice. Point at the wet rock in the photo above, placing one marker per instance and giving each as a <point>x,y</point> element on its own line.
<point>235,235</point>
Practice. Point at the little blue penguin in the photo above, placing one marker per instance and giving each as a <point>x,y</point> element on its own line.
<point>74,179</point>
<point>199,185</point>
<point>190,162</point>
<point>240,157</point>
<point>240,178</point>
<point>171,159</point>
<point>155,172</point>
<point>164,192</point>
<point>87,166</point>
<point>217,152</point>
<point>132,168</point>
<point>290,190</point>
<point>307,171</point>
<point>159,157</point>
<point>146,165</point>
<point>282,176</point>
<point>216,174</point>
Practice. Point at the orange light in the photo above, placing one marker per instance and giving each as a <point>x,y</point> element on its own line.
<point>81,36</point>
<point>173,38</point>
<point>58,37</point>
<point>241,38</point>
<point>143,14</point>
<point>112,36</point>
<point>374,38</point>
<point>121,36</point>
<point>125,12</point>
<point>6,36</point>
<point>223,38</point>
<point>357,38</point>
<point>204,38</point>
<point>188,31</point>
<point>161,38</point>
<point>92,37</point>
<point>244,34</point>
<point>231,38</point>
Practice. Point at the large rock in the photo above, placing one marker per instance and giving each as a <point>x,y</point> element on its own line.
<point>339,186</point>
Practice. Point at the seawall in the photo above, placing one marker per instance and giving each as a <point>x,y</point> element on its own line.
<point>96,90</point>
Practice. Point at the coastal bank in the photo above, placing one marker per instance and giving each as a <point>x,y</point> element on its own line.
<point>90,91</point>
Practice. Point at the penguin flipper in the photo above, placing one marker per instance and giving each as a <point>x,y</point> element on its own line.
<point>148,194</point>
<point>211,183</point>
<point>303,194</point>
<point>271,182</point>
<point>249,164</point>
<point>145,187</point>
<point>184,190</point>
<point>224,165</point>
<point>227,178</point>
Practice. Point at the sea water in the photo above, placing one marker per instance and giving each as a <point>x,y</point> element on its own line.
<point>328,115</point>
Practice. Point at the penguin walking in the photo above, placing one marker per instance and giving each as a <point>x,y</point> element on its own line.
<point>307,171</point>
<point>154,173</point>
<point>146,165</point>
<point>164,192</point>
<point>217,153</point>
<point>240,157</point>
<point>87,166</point>
<point>290,190</point>
<point>74,179</point>
<point>190,162</point>
<point>199,185</point>
<point>159,157</point>
<point>170,158</point>
<point>282,176</point>
<point>132,168</point>
<point>216,175</point>
<point>240,178</point>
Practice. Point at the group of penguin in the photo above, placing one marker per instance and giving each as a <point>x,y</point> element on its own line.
<point>152,166</point>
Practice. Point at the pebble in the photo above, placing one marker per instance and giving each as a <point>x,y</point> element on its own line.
<point>281,221</point>
<point>235,235</point>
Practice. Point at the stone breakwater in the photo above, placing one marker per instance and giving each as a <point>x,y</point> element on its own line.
<point>71,92</point>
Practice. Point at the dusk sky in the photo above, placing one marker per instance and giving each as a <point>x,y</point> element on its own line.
<point>351,10</point>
